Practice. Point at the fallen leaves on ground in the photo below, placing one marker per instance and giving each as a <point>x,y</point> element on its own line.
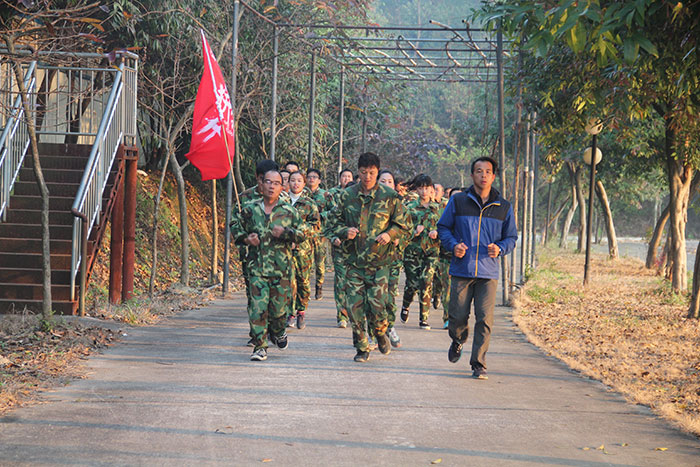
<point>36,357</point>
<point>626,329</point>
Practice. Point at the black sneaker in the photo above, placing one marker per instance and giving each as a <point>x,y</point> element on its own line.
<point>300,320</point>
<point>259,355</point>
<point>436,302</point>
<point>251,342</point>
<point>404,315</point>
<point>361,356</point>
<point>455,352</point>
<point>319,292</point>
<point>384,344</point>
<point>424,325</point>
<point>479,373</point>
<point>281,342</point>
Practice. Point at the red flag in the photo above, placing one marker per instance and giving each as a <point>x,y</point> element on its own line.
<point>212,125</point>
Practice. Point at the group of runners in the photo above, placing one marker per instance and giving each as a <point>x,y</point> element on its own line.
<point>448,243</point>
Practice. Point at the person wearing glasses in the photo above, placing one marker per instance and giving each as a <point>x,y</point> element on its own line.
<point>268,228</point>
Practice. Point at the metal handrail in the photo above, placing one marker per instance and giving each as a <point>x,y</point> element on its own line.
<point>14,142</point>
<point>88,200</point>
<point>118,122</point>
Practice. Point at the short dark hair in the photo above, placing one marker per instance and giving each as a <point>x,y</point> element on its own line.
<point>273,170</point>
<point>316,171</point>
<point>494,164</point>
<point>343,171</point>
<point>285,171</point>
<point>264,166</point>
<point>298,172</point>
<point>368,159</point>
<point>292,163</point>
<point>385,171</point>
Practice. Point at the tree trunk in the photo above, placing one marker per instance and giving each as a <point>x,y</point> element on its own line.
<point>46,306</point>
<point>214,276</point>
<point>154,242</point>
<point>545,233</point>
<point>609,226</point>
<point>656,238</point>
<point>555,218</point>
<point>581,212</point>
<point>184,228</point>
<point>694,311</point>
<point>569,215</point>
<point>680,175</point>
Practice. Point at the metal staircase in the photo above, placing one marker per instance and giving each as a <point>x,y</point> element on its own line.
<point>85,115</point>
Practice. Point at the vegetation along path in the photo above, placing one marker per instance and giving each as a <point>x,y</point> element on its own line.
<point>185,392</point>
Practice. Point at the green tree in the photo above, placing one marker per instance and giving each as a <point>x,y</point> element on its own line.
<point>626,61</point>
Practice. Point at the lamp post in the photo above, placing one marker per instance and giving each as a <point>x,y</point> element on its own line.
<point>591,156</point>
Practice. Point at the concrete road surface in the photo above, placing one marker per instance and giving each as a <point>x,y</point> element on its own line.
<point>184,392</point>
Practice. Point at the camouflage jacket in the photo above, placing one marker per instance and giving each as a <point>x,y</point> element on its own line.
<point>444,254</point>
<point>428,217</point>
<point>273,257</point>
<point>310,223</point>
<point>379,211</point>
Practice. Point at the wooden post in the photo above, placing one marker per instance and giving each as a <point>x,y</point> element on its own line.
<point>130,180</point>
<point>116,248</point>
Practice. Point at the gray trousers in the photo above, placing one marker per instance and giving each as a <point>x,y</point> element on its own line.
<point>482,292</point>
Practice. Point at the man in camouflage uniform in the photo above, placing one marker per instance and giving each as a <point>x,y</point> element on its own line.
<point>338,252</point>
<point>268,228</point>
<point>313,179</point>
<point>441,280</point>
<point>386,177</point>
<point>368,218</point>
<point>303,251</point>
<point>253,193</point>
<point>421,255</point>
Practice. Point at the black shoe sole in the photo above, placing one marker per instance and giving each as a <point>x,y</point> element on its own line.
<point>362,358</point>
<point>384,344</point>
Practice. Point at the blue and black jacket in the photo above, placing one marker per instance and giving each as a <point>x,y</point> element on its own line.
<point>467,220</point>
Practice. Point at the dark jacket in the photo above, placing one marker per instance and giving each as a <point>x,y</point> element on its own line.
<point>466,220</point>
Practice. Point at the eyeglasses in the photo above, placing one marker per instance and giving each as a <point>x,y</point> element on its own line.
<point>272,182</point>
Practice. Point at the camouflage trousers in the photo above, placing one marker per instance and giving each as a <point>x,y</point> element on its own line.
<point>320,244</point>
<point>267,312</point>
<point>302,273</point>
<point>289,309</point>
<point>340,268</point>
<point>394,273</point>
<point>441,285</point>
<point>367,293</point>
<point>420,270</point>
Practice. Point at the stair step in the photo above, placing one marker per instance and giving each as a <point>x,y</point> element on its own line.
<point>32,276</point>
<point>33,245</point>
<point>56,203</point>
<point>31,216</point>
<point>60,307</point>
<point>34,260</point>
<point>51,163</point>
<point>23,188</point>
<point>32,291</point>
<point>81,151</point>
<point>53,175</point>
<point>60,232</point>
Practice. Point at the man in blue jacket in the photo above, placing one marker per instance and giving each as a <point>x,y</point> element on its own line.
<point>478,227</point>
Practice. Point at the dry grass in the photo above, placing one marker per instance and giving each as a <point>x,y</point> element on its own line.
<point>627,329</point>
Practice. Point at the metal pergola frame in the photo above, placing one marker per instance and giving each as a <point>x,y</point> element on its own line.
<point>448,55</point>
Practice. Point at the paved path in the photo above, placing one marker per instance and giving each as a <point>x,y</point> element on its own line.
<point>185,393</point>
